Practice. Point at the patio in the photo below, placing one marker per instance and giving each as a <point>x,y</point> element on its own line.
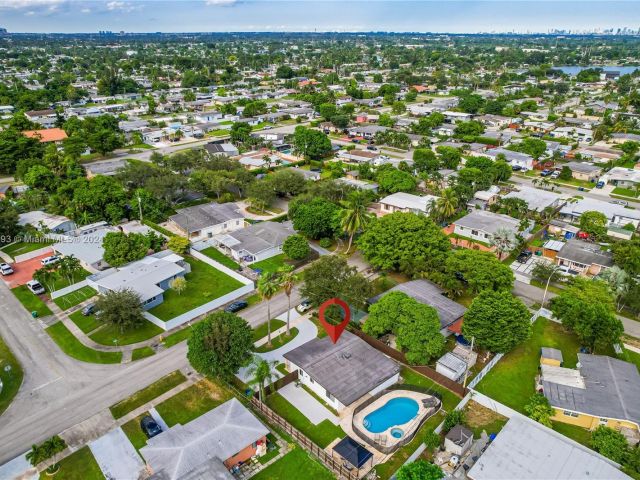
<point>307,404</point>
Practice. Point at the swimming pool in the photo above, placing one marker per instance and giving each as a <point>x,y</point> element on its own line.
<point>396,411</point>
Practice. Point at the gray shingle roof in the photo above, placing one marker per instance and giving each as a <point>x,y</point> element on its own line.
<point>488,222</point>
<point>202,216</point>
<point>259,237</point>
<point>347,369</point>
<point>429,294</point>
<point>585,253</point>
<point>612,389</point>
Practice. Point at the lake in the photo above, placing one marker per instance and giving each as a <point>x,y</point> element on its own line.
<point>575,69</point>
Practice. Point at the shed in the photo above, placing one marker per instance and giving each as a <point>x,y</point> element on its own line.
<point>550,356</point>
<point>458,440</point>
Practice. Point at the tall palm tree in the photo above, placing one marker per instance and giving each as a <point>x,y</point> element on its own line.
<point>447,204</point>
<point>503,240</point>
<point>268,286</point>
<point>355,216</point>
<point>287,280</point>
<point>262,374</point>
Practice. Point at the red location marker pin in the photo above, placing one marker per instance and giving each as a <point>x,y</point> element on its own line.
<point>334,331</point>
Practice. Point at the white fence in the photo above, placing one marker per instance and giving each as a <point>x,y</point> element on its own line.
<point>69,289</point>
<point>485,370</point>
<point>218,266</point>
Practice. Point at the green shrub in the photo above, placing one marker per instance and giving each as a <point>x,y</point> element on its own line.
<point>325,242</point>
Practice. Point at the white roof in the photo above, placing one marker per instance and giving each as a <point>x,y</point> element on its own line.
<point>611,210</point>
<point>537,199</point>
<point>407,200</point>
<point>526,450</point>
<point>50,221</point>
<point>562,376</point>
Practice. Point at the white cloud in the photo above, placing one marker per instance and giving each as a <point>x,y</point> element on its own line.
<point>117,6</point>
<point>30,4</point>
<point>86,10</point>
<point>220,2</point>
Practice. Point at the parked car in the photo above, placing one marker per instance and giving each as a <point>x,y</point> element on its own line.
<point>6,269</point>
<point>600,184</point>
<point>150,427</point>
<point>372,148</point>
<point>524,256</point>
<point>49,260</point>
<point>546,172</point>
<point>583,235</point>
<point>304,306</point>
<point>555,175</point>
<point>89,309</point>
<point>35,287</point>
<point>236,306</point>
<point>620,202</point>
<point>516,168</point>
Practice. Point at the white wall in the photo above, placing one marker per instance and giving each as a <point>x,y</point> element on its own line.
<point>305,379</point>
<point>387,384</point>
<point>466,232</point>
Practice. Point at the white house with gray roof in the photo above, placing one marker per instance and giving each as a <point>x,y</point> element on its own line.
<point>256,242</point>
<point>407,202</point>
<point>343,372</point>
<point>617,215</point>
<point>536,199</point>
<point>204,221</point>
<point>481,225</point>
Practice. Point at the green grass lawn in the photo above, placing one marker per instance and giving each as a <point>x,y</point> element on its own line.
<point>62,282</point>
<point>279,341</point>
<point>627,192</point>
<point>134,432</point>
<point>147,394</point>
<point>74,298</point>
<point>215,254</point>
<point>108,333</point>
<point>70,345</point>
<point>193,402</point>
<point>411,377</point>
<point>80,465</point>
<point>579,434</point>
<point>204,283</point>
<point>11,379</point>
<point>86,324</point>
<point>512,380</point>
<point>30,301</point>
<point>322,434</point>
<point>295,464</point>
<point>270,265</point>
<point>177,337</point>
<point>140,353</point>
<point>261,330</point>
<point>20,248</point>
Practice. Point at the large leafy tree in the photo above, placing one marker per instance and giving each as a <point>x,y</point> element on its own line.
<point>586,307</point>
<point>610,443</point>
<point>540,410</point>
<point>416,326</point>
<point>627,256</point>
<point>9,227</point>
<point>594,223</point>
<point>420,470</point>
<point>405,242</point>
<point>121,308</point>
<point>318,218</point>
<point>311,144</point>
<point>392,180</point>
<point>296,247</point>
<point>498,321</point>
<point>220,344</point>
<point>476,271</point>
<point>121,248</point>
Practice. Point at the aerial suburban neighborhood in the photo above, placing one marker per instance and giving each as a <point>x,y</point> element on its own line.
<point>309,255</point>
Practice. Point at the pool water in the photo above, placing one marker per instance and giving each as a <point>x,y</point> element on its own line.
<point>396,411</point>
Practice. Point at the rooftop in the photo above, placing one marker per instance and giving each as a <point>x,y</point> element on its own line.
<point>195,218</point>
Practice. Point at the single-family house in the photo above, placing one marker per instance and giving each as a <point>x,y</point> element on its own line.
<point>622,177</point>
<point>106,167</point>
<point>204,221</point>
<point>226,149</point>
<point>47,135</point>
<point>359,156</point>
<point>359,184</point>
<point>149,277</point>
<point>599,154</point>
<point>44,221</point>
<point>584,171</point>
<point>481,225</point>
<point>483,199</point>
<point>515,159</point>
<point>407,202</point>
<point>343,372</point>
<point>617,215</point>
<point>536,199</point>
<point>456,117</point>
<point>584,135</point>
<point>366,131</point>
<point>256,242</point>
<point>211,446</point>
<point>583,258</point>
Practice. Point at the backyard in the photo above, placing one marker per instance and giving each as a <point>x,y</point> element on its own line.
<point>214,254</point>
<point>204,284</point>
<point>295,464</point>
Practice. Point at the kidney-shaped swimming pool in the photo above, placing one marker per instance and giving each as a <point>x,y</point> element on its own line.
<point>396,411</point>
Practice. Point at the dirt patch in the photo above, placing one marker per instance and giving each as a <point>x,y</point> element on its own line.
<point>477,416</point>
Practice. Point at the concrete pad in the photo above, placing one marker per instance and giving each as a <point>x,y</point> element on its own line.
<point>91,429</point>
<point>307,404</point>
<point>116,457</point>
<point>18,468</point>
<point>159,420</point>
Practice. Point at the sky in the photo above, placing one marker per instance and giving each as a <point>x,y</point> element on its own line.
<point>454,16</point>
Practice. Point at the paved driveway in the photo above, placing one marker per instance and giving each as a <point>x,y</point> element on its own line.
<point>23,271</point>
<point>116,457</point>
<point>309,406</point>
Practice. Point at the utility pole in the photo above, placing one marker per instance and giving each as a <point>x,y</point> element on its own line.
<point>140,207</point>
<point>466,372</point>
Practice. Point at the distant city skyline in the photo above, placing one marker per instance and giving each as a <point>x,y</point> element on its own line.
<point>459,16</point>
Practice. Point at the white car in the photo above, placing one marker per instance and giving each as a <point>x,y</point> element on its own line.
<point>6,269</point>
<point>35,287</point>
<point>304,306</point>
<point>555,175</point>
<point>49,260</point>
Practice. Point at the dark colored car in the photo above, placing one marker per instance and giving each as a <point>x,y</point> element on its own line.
<point>89,309</point>
<point>236,306</point>
<point>545,173</point>
<point>372,148</point>
<point>149,426</point>
<point>516,168</point>
<point>524,256</point>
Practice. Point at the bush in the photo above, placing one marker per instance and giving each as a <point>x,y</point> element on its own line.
<point>432,440</point>
<point>539,409</point>
<point>296,247</point>
<point>179,245</point>
<point>325,242</point>
<point>610,443</point>
<point>453,418</point>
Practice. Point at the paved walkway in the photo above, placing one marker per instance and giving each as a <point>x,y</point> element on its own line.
<point>307,404</point>
<point>116,456</point>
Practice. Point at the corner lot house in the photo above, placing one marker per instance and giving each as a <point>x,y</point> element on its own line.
<point>526,450</point>
<point>622,177</point>
<point>205,221</point>
<point>343,372</point>
<point>257,242</point>
<point>46,221</point>
<point>583,257</point>
<point>149,277</point>
<point>406,202</point>
<point>208,447</point>
<point>481,225</point>
<point>603,391</point>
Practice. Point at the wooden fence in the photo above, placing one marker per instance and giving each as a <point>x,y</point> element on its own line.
<point>429,372</point>
<point>336,466</point>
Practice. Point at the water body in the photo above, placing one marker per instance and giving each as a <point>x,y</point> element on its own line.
<point>396,411</point>
<point>575,69</point>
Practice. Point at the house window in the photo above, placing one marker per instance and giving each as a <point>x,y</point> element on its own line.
<point>329,396</point>
<point>567,413</point>
<point>210,234</point>
<point>474,232</point>
<point>603,421</point>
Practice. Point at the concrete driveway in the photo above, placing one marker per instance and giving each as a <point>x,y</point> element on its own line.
<point>116,456</point>
<point>309,406</point>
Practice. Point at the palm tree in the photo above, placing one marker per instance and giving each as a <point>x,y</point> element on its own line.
<point>503,240</point>
<point>287,280</point>
<point>262,374</point>
<point>268,286</point>
<point>447,204</point>
<point>355,216</point>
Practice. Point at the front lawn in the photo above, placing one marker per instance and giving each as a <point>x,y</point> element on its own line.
<point>511,381</point>
<point>70,345</point>
<point>85,323</point>
<point>10,376</point>
<point>134,433</point>
<point>260,331</point>
<point>204,284</point>
<point>31,301</point>
<point>62,281</point>
<point>177,337</point>
<point>106,334</point>
<point>279,341</point>
<point>72,299</point>
<point>140,353</point>
<point>626,192</point>
<point>295,464</point>
<point>214,254</point>
<point>147,394</point>
<point>322,434</point>
<point>270,265</point>
<point>80,465</point>
<point>20,248</point>
<point>193,402</point>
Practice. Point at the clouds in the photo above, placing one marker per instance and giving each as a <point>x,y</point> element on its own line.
<point>220,2</point>
<point>117,6</point>
<point>30,4</point>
